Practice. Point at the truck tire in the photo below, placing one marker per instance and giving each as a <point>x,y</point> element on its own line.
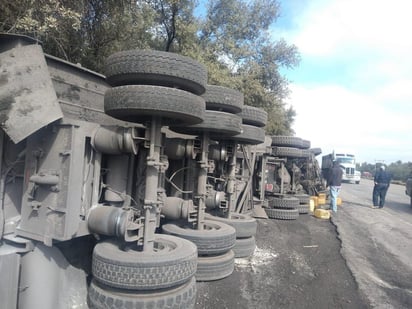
<point>283,202</point>
<point>244,225</point>
<point>305,144</point>
<point>219,124</point>
<point>215,267</point>
<point>172,262</point>
<point>149,67</point>
<point>303,198</point>
<point>306,153</point>
<point>303,209</point>
<point>282,214</point>
<point>215,237</point>
<point>139,103</point>
<point>286,141</point>
<point>286,152</point>
<point>223,99</point>
<point>254,116</point>
<point>250,135</point>
<point>104,297</point>
<point>244,247</point>
<point>316,151</point>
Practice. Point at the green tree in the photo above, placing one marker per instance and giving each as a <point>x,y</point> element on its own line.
<point>232,39</point>
<point>240,53</point>
<point>55,23</point>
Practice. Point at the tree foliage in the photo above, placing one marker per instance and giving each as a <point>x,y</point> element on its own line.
<point>400,170</point>
<point>232,38</point>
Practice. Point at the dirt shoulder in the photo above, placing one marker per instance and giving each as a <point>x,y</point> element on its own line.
<point>297,264</point>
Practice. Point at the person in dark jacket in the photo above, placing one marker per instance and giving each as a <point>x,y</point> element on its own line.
<point>382,181</point>
<point>334,182</point>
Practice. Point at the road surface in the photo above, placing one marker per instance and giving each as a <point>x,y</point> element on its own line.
<point>362,258</point>
<point>377,243</point>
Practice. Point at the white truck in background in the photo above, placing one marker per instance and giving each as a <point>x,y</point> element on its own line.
<point>346,161</point>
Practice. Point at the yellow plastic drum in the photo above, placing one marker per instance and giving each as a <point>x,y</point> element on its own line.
<point>315,201</point>
<point>312,205</point>
<point>322,213</point>
<point>322,195</point>
<point>321,200</point>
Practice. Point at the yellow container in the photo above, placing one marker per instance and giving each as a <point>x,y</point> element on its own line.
<point>322,195</point>
<point>339,201</point>
<point>312,205</point>
<point>321,201</point>
<point>315,201</point>
<point>322,213</point>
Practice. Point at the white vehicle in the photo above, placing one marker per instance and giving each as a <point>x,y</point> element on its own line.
<point>347,162</point>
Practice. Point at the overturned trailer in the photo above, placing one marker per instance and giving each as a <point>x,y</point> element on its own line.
<point>100,202</point>
<point>287,175</point>
<point>81,177</point>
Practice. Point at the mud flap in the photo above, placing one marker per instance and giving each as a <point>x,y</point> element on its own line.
<point>28,100</point>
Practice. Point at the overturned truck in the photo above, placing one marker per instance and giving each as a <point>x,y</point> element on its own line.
<point>124,189</point>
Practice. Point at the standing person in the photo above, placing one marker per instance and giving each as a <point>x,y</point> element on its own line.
<point>382,181</point>
<point>334,182</point>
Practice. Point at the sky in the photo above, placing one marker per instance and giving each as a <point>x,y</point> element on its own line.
<point>352,90</point>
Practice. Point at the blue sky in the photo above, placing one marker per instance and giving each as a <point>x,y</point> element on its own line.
<point>353,87</point>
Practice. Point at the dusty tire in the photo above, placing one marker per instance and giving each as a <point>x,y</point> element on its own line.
<point>138,103</point>
<point>303,209</point>
<point>306,153</point>
<point>316,151</point>
<point>282,214</point>
<point>218,124</point>
<point>250,135</point>
<point>254,116</point>
<point>303,198</point>
<point>244,247</point>
<point>172,263</point>
<point>287,152</point>
<point>103,297</point>
<point>286,141</point>
<point>244,225</point>
<point>215,238</point>
<point>305,144</point>
<point>284,202</point>
<point>215,267</point>
<point>149,67</point>
<point>223,99</point>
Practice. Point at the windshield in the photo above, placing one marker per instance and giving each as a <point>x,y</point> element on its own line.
<point>346,160</point>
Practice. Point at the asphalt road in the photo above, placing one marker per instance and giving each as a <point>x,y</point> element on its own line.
<point>361,258</point>
<point>377,244</point>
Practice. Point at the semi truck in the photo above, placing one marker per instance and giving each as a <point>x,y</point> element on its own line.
<point>346,161</point>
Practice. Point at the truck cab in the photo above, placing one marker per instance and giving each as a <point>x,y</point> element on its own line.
<point>347,163</point>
